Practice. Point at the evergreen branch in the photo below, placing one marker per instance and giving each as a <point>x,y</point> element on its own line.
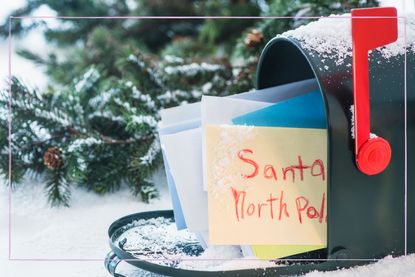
<point>31,106</point>
<point>27,54</point>
<point>144,162</point>
<point>148,79</point>
<point>73,133</point>
<point>57,187</point>
<point>147,191</point>
<point>17,172</point>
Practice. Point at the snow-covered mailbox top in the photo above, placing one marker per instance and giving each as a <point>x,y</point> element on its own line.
<point>367,215</point>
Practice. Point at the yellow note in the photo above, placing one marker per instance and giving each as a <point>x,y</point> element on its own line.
<point>266,186</point>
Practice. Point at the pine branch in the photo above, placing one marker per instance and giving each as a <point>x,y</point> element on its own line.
<point>57,187</point>
<point>144,163</point>
<point>17,172</point>
<point>33,57</point>
<point>31,106</point>
<point>147,79</point>
<point>147,191</point>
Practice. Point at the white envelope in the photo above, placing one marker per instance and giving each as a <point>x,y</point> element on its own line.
<point>183,152</point>
<point>179,114</point>
<point>175,120</point>
<point>279,93</point>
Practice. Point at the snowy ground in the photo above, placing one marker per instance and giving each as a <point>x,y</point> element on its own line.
<point>75,233</point>
<point>79,233</point>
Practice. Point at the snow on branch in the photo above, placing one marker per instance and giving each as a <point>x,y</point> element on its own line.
<point>151,154</point>
<point>191,70</point>
<point>87,80</point>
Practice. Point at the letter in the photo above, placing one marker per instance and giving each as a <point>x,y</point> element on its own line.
<point>236,194</point>
<point>301,167</point>
<point>283,206</point>
<point>288,169</point>
<point>312,212</point>
<point>270,200</point>
<point>269,172</point>
<point>299,208</point>
<point>318,163</point>
<point>251,209</point>
<point>260,208</point>
<point>249,161</point>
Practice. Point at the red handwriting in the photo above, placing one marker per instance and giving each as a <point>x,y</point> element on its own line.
<point>290,173</point>
<point>303,205</point>
<point>318,164</point>
<point>256,209</point>
<point>251,162</point>
<point>276,207</point>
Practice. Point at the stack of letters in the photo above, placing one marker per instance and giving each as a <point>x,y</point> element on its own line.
<point>250,169</point>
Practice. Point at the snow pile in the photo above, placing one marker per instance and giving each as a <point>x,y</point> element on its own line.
<point>400,267</point>
<point>157,240</point>
<point>331,37</point>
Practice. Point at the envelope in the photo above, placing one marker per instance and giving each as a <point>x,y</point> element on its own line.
<point>306,111</point>
<point>175,120</point>
<point>186,169</point>
<point>177,209</point>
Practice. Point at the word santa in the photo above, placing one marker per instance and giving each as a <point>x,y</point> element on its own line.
<point>275,206</point>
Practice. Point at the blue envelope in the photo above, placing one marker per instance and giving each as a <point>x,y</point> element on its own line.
<point>177,208</point>
<point>305,111</point>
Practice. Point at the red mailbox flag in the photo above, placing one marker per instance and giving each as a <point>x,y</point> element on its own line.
<point>371,28</point>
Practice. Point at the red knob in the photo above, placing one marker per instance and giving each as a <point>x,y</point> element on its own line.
<point>374,156</point>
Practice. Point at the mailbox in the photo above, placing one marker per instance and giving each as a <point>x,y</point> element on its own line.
<point>371,211</point>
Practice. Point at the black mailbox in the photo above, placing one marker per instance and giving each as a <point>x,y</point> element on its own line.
<point>367,215</point>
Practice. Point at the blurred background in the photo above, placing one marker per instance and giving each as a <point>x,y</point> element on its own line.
<point>86,95</point>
